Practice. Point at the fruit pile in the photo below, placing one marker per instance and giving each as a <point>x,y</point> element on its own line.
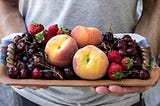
<point>80,53</point>
<point>125,56</point>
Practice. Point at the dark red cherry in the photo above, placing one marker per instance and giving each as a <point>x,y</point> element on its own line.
<point>132,44</point>
<point>122,52</point>
<point>127,38</point>
<point>24,73</point>
<point>13,72</point>
<point>37,74</point>
<point>144,74</point>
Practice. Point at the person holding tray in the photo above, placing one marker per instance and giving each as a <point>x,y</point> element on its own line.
<point>16,16</point>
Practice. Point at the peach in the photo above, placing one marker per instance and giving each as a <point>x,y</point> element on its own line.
<point>60,50</point>
<point>90,63</point>
<point>86,36</point>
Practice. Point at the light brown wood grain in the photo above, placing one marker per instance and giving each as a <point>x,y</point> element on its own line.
<point>76,83</point>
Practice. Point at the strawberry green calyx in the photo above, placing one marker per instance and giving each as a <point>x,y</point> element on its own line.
<point>35,24</point>
<point>65,30</point>
<point>129,63</point>
<point>40,36</point>
<point>118,75</point>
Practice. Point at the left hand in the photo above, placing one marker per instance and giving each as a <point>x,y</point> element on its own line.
<point>115,90</point>
<point>32,87</point>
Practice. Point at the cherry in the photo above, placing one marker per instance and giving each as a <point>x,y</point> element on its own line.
<point>127,38</point>
<point>21,46</point>
<point>137,62</point>
<point>24,74</point>
<point>122,44</point>
<point>30,67</point>
<point>25,59</point>
<point>31,51</point>
<point>16,38</point>
<point>47,75</point>
<point>21,65</point>
<point>27,36</point>
<point>17,57</point>
<point>134,75</point>
<point>37,74</point>
<point>132,51</point>
<point>58,74</point>
<point>13,72</point>
<point>39,60</point>
<point>132,44</point>
<point>108,36</point>
<point>122,52</point>
<point>69,73</point>
<point>144,74</point>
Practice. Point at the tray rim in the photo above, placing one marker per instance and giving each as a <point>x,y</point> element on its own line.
<point>155,75</point>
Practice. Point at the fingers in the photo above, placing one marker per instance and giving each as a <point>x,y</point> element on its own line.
<point>19,87</point>
<point>101,90</point>
<point>115,90</point>
<point>104,90</point>
<point>32,87</point>
<point>38,87</point>
<point>127,90</point>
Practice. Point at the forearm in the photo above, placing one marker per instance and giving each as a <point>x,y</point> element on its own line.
<point>11,20</point>
<point>148,25</point>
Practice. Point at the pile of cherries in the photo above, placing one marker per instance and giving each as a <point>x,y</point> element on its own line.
<point>30,61</point>
<point>127,47</point>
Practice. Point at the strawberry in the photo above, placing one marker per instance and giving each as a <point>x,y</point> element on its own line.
<point>127,63</point>
<point>43,37</point>
<point>35,28</point>
<point>53,29</point>
<point>59,32</point>
<point>48,36</point>
<point>63,30</point>
<point>114,56</point>
<point>115,71</point>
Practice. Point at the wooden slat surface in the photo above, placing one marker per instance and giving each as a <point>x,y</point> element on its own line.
<point>126,82</point>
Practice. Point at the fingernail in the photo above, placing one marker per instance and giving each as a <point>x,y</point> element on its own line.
<point>101,90</point>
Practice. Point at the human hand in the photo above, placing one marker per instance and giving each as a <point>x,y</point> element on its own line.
<point>32,87</point>
<point>115,90</point>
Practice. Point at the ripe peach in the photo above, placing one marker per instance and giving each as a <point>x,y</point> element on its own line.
<point>60,50</point>
<point>90,63</point>
<point>86,36</point>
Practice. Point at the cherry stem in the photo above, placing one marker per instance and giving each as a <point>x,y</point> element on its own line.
<point>52,69</point>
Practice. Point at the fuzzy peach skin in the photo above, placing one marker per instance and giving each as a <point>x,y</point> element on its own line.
<point>86,36</point>
<point>90,63</point>
<point>60,50</point>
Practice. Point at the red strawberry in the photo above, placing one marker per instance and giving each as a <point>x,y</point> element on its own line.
<point>64,30</point>
<point>48,36</point>
<point>115,71</point>
<point>53,29</point>
<point>127,63</point>
<point>35,28</point>
<point>114,56</point>
<point>37,74</point>
<point>43,37</point>
<point>40,37</point>
<point>59,32</point>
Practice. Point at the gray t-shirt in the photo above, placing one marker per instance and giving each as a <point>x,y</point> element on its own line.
<point>96,13</point>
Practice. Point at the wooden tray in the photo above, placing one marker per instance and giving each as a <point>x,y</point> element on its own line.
<point>125,82</point>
